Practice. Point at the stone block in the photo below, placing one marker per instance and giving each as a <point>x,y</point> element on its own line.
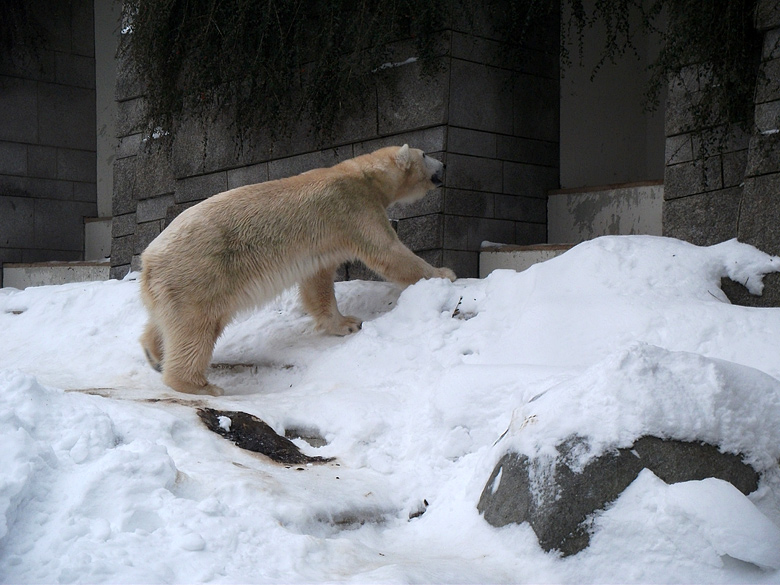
<point>257,173</point>
<point>404,104</point>
<point>119,272</point>
<point>145,233</point>
<point>85,192</point>
<point>525,150</point>
<point>473,173</point>
<point>421,233</point>
<point>76,165</point>
<point>471,203</point>
<point>121,253</point>
<point>718,140</point>
<point>767,14</point>
<point>203,147</point>
<point>468,233</point>
<point>129,145</point>
<point>703,219</point>
<point>32,187</point>
<point>123,201</point>
<point>128,82</point>
<point>760,213</point>
<point>432,257</point>
<point>123,225</point>
<point>59,225</point>
<point>679,149</point>
<point>536,107</point>
<point>75,70</point>
<point>471,142</point>
<point>734,166</point>
<point>527,234</point>
<point>154,208</point>
<point>762,155</point>
<point>771,49</point>
<point>430,140</point>
<point>129,117</point>
<point>17,221</point>
<point>359,271</point>
<point>18,110</point>
<point>175,210</point>
<point>479,97</point>
<point>41,161</point>
<point>678,114</point>
<point>47,255</point>
<point>529,180</point>
<point>464,263</point>
<point>739,295</point>
<point>520,208</point>
<point>768,117</point>
<point>357,120</point>
<point>496,54</point>
<point>9,255</point>
<point>153,171</point>
<point>66,116</point>
<point>13,158</point>
<point>693,177</point>
<point>295,165</point>
<point>199,188</point>
<point>768,84</point>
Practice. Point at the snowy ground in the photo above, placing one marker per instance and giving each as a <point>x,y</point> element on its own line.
<point>107,476</point>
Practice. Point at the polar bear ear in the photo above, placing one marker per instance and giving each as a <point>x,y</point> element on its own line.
<point>403,157</point>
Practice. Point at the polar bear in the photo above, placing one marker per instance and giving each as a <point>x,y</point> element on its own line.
<point>241,248</point>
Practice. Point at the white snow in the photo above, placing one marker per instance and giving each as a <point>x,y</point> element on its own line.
<point>106,476</point>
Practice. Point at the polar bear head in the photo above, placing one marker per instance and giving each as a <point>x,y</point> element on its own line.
<point>421,173</point>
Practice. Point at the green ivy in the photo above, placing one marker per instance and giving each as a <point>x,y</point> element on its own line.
<point>270,62</point>
<point>273,62</point>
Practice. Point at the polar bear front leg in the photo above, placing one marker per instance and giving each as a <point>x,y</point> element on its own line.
<point>319,300</point>
<point>399,264</point>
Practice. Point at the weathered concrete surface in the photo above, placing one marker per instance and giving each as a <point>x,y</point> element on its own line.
<point>558,500</point>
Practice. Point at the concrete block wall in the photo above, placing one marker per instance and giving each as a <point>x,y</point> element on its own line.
<point>47,138</point>
<point>493,120</point>
<point>735,193</point>
<point>702,194</point>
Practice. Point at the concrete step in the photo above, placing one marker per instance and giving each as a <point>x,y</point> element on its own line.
<point>495,256</point>
<point>17,275</point>
<point>576,215</point>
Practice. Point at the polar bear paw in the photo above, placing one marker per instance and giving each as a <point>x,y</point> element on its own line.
<point>445,273</point>
<point>342,325</point>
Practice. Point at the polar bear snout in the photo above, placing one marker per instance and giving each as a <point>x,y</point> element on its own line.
<point>436,169</point>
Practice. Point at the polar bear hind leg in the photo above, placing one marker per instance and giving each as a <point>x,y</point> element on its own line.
<point>189,344</point>
<point>151,341</point>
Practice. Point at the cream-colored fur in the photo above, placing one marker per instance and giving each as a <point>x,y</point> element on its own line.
<point>241,248</point>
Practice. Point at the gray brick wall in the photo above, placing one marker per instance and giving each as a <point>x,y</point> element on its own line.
<point>492,118</point>
<point>47,139</point>
<point>736,192</point>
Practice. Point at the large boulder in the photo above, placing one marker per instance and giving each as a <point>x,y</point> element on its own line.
<point>558,498</point>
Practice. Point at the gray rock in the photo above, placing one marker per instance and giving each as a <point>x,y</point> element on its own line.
<point>558,499</point>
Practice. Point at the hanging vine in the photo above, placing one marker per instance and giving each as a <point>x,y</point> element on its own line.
<point>273,62</point>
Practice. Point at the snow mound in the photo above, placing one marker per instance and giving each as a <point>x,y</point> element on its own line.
<point>646,390</point>
<point>107,476</point>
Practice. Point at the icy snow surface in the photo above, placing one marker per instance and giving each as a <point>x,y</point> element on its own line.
<point>106,476</point>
